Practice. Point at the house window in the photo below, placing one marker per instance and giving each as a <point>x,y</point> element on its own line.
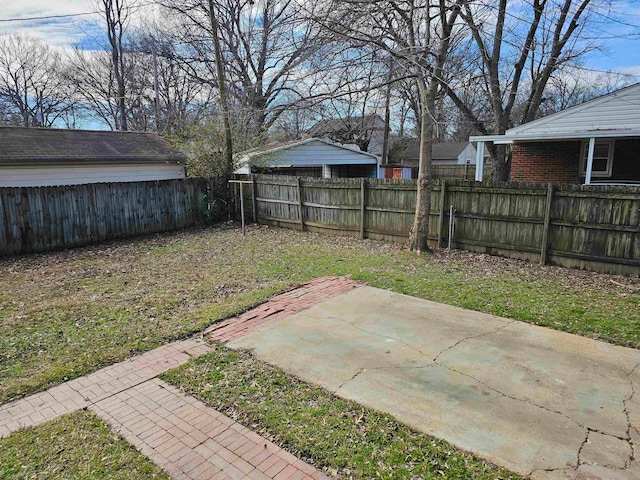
<point>602,158</point>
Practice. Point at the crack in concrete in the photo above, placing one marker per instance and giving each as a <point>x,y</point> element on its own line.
<point>357,327</point>
<point>587,429</point>
<point>611,467</point>
<point>362,370</point>
<point>632,456</point>
<point>584,443</point>
<point>511,397</point>
<point>472,337</point>
<point>435,361</point>
<point>549,470</point>
<point>349,380</point>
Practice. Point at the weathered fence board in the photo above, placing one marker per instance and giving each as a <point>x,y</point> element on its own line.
<point>37,219</point>
<point>593,227</point>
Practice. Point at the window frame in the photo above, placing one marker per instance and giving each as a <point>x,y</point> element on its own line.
<point>585,153</point>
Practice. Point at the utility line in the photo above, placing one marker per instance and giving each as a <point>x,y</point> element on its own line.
<point>66,15</point>
<point>46,17</point>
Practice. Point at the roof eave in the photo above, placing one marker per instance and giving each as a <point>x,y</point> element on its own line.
<point>535,137</point>
<point>248,155</point>
<point>26,161</point>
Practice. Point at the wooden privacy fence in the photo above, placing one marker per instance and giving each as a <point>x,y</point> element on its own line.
<point>467,171</point>
<point>591,227</point>
<point>463,172</point>
<point>37,219</point>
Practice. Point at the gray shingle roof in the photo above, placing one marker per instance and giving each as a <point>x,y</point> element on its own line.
<point>19,146</point>
<point>409,149</point>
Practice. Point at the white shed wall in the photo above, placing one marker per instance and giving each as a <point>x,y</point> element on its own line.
<point>313,154</point>
<point>42,176</point>
<point>468,155</point>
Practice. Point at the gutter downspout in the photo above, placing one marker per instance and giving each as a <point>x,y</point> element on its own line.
<point>479,161</point>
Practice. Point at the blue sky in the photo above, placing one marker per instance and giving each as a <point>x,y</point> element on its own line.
<point>620,27</point>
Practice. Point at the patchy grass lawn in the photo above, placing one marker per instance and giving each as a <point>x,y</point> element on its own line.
<point>75,446</point>
<point>66,314</point>
<point>337,435</point>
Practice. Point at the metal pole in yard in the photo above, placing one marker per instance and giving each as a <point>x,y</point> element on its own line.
<point>254,202</point>
<point>443,193</point>
<point>241,190</point>
<point>362,207</point>
<point>452,211</point>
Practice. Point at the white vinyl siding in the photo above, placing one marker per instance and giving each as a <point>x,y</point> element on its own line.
<point>42,176</point>
<point>616,111</point>
<point>313,154</point>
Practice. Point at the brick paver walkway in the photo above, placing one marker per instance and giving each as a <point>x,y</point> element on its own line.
<point>281,306</point>
<point>184,436</point>
<point>190,440</point>
<point>84,391</point>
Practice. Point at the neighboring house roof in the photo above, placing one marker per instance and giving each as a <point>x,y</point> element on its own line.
<point>24,146</point>
<point>616,114</point>
<point>447,151</point>
<point>408,149</point>
<point>349,124</point>
<point>317,152</point>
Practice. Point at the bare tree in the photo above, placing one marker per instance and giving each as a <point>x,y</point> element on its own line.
<point>419,35</point>
<point>269,51</point>
<point>151,67</point>
<point>116,15</point>
<point>93,80</point>
<point>224,92</point>
<point>519,46</point>
<point>355,113</point>
<point>32,92</point>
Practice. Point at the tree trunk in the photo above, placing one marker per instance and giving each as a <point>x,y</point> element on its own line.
<point>420,229</point>
<point>501,162</point>
<point>224,95</point>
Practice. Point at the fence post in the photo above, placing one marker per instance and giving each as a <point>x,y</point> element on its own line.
<point>443,191</point>
<point>362,204</point>
<point>545,226</point>
<point>300,205</point>
<point>254,201</point>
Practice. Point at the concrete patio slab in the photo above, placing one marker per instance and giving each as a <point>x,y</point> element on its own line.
<point>534,400</point>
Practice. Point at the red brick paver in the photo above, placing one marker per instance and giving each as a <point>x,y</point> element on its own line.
<point>190,440</point>
<point>83,391</point>
<point>184,436</point>
<point>281,306</point>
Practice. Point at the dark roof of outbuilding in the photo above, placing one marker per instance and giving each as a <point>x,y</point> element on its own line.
<point>20,145</point>
<point>409,149</point>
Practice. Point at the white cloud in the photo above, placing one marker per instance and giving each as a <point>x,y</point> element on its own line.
<point>31,8</point>
<point>61,32</point>
<point>55,31</point>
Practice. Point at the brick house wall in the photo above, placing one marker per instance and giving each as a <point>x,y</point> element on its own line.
<point>559,162</point>
<point>556,162</point>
